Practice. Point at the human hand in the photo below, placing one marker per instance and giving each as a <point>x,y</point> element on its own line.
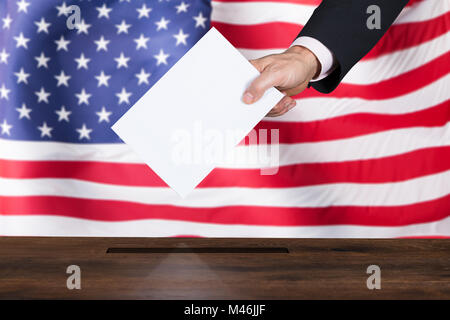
<point>290,72</point>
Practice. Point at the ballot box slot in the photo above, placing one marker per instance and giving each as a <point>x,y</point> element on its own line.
<point>200,250</point>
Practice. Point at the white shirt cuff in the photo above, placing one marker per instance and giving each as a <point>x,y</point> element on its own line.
<point>323,54</point>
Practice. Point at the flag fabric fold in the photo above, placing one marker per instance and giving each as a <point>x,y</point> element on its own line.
<point>371,159</point>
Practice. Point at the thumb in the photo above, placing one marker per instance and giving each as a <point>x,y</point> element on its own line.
<point>264,81</point>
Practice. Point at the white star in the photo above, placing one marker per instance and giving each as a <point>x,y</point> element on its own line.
<point>22,76</point>
<point>21,41</point>
<point>123,27</point>
<point>62,44</point>
<point>63,114</point>
<point>82,62</point>
<point>4,92</point>
<point>123,96</point>
<point>103,11</point>
<point>42,26</point>
<point>122,61</point>
<point>102,44</point>
<point>42,60</point>
<point>84,132</point>
<point>63,79</point>
<point>103,115</point>
<point>7,22</point>
<point>6,127</point>
<point>4,57</point>
<point>142,77</point>
<point>43,95</point>
<point>24,112</point>
<point>63,10</point>
<point>45,130</point>
<point>162,24</point>
<point>102,79</point>
<point>181,37</point>
<point>82,27</point>
<point>200,20</point>
<point>182,7</point>
<point>23,6</point>
<point>161,57</point>
<point>83,97</point>
<point>141,42</point>
<point>144,11</point>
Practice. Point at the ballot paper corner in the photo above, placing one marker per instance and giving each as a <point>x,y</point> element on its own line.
<point>148,130</point>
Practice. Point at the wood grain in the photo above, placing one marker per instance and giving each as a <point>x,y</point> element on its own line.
<point>190,268</point>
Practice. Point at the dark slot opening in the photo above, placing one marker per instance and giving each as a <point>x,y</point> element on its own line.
<point>199,250</point>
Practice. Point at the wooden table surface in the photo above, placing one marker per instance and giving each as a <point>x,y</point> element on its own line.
<point>224,268</point>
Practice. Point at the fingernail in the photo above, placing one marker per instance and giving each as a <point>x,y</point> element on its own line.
<point>291,105</point>
<point>248,97</point>
<point>288,103</point>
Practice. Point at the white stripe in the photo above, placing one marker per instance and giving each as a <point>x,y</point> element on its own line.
<point>313,109</point>
<point>394,64</point>
<point>60,151</point>
<point>247,13</point>
<point>336,194</point>
<point>423,11</point>
<point>384,67</point>
<point>73,227</point>
<point>250,13</point>
<point>377,145</point>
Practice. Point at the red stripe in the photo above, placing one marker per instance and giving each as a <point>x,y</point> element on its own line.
<point>390,88</point>
<point>109,210</point>
<point>277,35</point>
<point>355,124</point>
<point>389,169</point>
<point>407,35</point>
<point>425,237</point>
<point>302,2</point>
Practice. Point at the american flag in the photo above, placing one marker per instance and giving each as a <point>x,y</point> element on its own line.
<point>371,159</point>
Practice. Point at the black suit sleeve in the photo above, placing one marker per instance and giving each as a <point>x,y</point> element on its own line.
<point>341,25</point>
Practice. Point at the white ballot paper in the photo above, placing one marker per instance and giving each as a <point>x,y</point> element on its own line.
<point>194,108</point>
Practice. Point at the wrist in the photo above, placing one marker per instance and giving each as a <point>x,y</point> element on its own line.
<point>309,57</point>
